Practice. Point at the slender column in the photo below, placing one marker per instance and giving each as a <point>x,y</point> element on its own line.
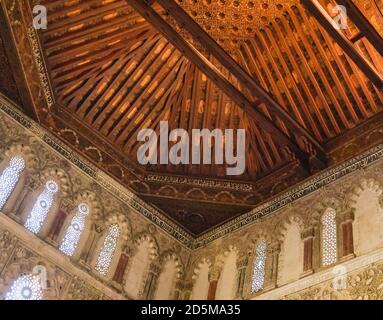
<point>16,212</point>
<point>31,185</point>
<point>212,289</point>
<point>308,254</point>
<point>308,236</point>
<point>213,280</point>
<point>86,254</point>
<point>179,287</point>
<point>118,276</point>
<point>241,266</point>
<point>271,267</point>
<point>56,227</point>
<point>348,241</point>
<point>20,203</point>
<point>346,235</point>
<point>151,282</point>
<point>317,250</point>
<point>188,288</point>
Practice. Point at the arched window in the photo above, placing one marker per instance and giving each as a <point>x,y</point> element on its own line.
<point>73,233</point>
<point>9,178</point>
<point>41,207</point>
<point>259,267</point>
<point>329,238</point>
<point>107,251</point>
<point>26,287</point>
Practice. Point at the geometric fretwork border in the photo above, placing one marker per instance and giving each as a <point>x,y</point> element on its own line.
<point>312,185</point>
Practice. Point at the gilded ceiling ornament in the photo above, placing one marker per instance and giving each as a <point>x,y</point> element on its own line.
<point>234,19</point>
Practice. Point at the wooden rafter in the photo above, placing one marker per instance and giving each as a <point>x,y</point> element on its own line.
<point>199,34</point>
<point>316,9</point>
<point>219,79</point>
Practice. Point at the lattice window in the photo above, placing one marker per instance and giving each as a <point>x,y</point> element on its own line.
<point>329,238</point>
<point>41,207</point>
<point>26,287</point>
<point>107,251</point>
<point>9,178</point>
<point>74,231</point>
<point>259,267</point>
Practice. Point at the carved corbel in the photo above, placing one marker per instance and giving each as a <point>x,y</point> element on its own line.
<point>346,216</point>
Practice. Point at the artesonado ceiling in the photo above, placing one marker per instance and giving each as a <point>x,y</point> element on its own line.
<point>110,72</point>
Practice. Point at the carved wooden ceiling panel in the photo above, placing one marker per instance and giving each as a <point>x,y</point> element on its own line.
<point>234,19</point>
<point>113,74</point>
<point>7,82</point>
<point>118,75</point>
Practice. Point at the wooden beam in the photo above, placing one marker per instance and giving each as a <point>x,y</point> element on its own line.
<point>16,66</point>
<point>363,24</point>
<point>316,9</point>
<point>199,34</point>
<point>218,78</point>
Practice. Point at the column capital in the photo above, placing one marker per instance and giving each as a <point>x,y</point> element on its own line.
<point>242,262</point>
<point>179,285</point>
<point>274,248</point>
<point>97,228</point>
<point>188,285</point>
<point>308,233</point>
<point>346,216</point>
<point>155,268</point>
<point>214,274</point>
<point>127,251</point>
<point>66,205</point>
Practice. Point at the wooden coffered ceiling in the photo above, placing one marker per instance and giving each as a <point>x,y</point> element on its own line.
<point>304,93</point>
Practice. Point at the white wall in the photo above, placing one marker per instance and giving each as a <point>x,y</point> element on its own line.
<point>166,281</point>
<point>291,257</point>
<point>228,279</point>
<point>368,224</point>
<point>138,270</point>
